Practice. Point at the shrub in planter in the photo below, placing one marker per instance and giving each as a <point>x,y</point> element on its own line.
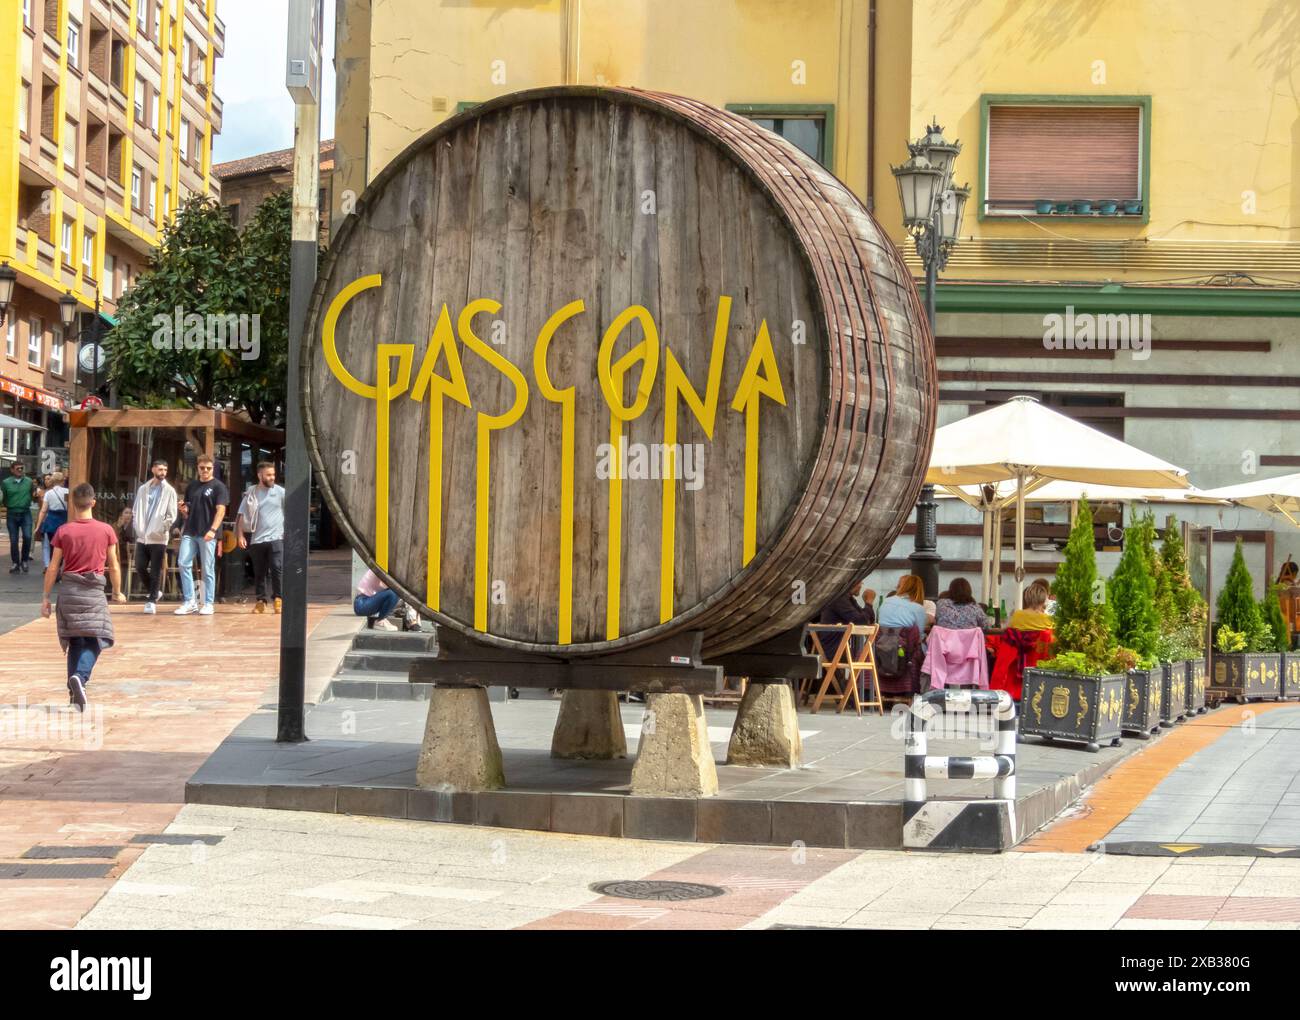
<point>1246,664</point>
<point>1078,694</point>
<point>1181,615</point>
<point>1132,596</point>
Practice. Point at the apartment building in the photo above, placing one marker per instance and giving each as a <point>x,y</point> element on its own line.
<point>107,119</point>
<point>247,183</point>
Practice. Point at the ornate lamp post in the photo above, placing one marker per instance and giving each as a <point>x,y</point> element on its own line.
<point>7,280</point>
<point>932,212</point>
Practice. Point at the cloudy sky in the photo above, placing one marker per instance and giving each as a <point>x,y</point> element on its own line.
<point>250,79</point>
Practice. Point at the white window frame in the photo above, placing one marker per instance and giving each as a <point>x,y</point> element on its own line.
<point>56,348</point>
<point>9,442</point>
<point>185,140</point>
<point>110,275</point>
<point>88,253</point>
<point>153,204</point>
<point>25,107</point>
<point>35,333</point>
<point>73,43</point>
<point>27,13</point>
<point>137,184</point>
<point>157,119</point>
<point>142,15</point>
<point>69,145</point>
<point>139,100</point>
<point>65,242</point>
<point>167,203</point>
<point>11,337</point>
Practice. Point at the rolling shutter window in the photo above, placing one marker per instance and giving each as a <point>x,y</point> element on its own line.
<point>1062,153</point>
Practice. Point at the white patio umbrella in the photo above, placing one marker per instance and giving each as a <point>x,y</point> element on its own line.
<point>10,422</point>
<point>1029,446</point>
<point>1280,496</point>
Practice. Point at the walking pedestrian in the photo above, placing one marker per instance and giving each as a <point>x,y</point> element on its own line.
<point>204,508</point>
<point>375,601</point>
<point>53,515</point>
<point>152,515</point>
<point>83,551</point>
<point>18,490</point>
<point>260,530</point>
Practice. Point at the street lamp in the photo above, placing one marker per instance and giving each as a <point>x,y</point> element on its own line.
<point>89,357</point>
<point>932,212</point>
<point>7,280</point>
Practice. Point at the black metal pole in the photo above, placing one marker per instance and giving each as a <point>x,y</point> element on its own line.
<point>297,468</point>
<point>924,557</point>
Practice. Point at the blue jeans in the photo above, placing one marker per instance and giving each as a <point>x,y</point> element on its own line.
<point>20,522</point>
<point>376,606</point>
<point>82,653</point>
<point>190,547</point>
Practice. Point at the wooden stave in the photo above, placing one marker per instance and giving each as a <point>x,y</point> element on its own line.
<point>734,603</point>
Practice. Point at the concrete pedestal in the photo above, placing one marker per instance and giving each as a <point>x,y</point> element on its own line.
<point>674,758</point>
<point>460,751</point>
<point>767,728</point>
<point>589,726</point>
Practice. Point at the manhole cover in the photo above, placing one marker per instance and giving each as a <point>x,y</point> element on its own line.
<point>650,890</point>
<point>54,852</point>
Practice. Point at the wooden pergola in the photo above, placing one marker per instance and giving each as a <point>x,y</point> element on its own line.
<point>202,428</point>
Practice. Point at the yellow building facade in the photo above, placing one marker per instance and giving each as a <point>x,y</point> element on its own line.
<point>107,119</point>
<point>1132,163</point>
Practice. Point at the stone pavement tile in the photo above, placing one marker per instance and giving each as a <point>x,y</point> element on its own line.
<point>991,908</point>
<point>1260,908</point>
<point>951,922</point>
<point>1100,894</point>
<point>1069,918</point>
<point>1017,893</point>
<point>369,922</point>
<point>893,919</point>
<point>1157,924</point>
<point>1252,926</point>
<point>1168,907</point>
<point>792,913</point>
<point>1199,887</point>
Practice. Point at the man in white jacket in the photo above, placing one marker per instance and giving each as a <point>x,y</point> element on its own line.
<point>152,516</point>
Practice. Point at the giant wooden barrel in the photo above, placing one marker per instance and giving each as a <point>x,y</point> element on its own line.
<point>588,367</point>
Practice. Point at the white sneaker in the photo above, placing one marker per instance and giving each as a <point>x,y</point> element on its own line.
<point>207,610</point>
<point>383,625</point>
<point>187,608</point>
<point>150,609</point>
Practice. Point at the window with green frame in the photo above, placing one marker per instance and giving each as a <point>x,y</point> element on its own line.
<point>1065,156</point>
<point>809,127</point>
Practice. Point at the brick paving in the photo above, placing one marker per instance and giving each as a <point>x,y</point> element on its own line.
<point>161,700</point>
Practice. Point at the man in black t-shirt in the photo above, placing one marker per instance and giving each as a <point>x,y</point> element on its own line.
<point>204,508</point>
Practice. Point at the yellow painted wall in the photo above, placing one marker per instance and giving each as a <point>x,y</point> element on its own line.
<point>426,56</point>
<point>1225,88</point>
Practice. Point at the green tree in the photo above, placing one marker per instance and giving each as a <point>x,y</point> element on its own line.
<point>1082,624</point>
<point>1237,609</point>
<point>1132,589</point>
<point>1181,611</point>
<point>1270,611</point>
<point>205,267</point>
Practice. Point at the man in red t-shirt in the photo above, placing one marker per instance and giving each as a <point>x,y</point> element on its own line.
<point>84,549</point>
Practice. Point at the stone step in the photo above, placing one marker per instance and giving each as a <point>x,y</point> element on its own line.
<point>378,660</point>
<point>414,641</point>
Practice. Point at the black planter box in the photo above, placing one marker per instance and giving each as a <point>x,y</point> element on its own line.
<point>1173,705</point>
<point>1194,670</point>
<point>1143,696</point>
<point>1073,706</point>
<point>1289,670</point>
<point>1246,675</point>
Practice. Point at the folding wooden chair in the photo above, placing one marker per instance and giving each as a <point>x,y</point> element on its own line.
<point>839,675</point>
<point>864,665</point>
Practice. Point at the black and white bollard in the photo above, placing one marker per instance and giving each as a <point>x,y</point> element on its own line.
<point>984,824</point>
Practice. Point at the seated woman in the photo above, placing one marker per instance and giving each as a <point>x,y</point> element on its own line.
<point>899,650</point>
<point>958,610</point>
<point>955,654</point>
<point>375,601</point>
<point>906,607</point>
<point>1027,640</point>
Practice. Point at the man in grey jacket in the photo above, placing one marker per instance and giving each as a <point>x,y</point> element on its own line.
<point>152,516</point>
